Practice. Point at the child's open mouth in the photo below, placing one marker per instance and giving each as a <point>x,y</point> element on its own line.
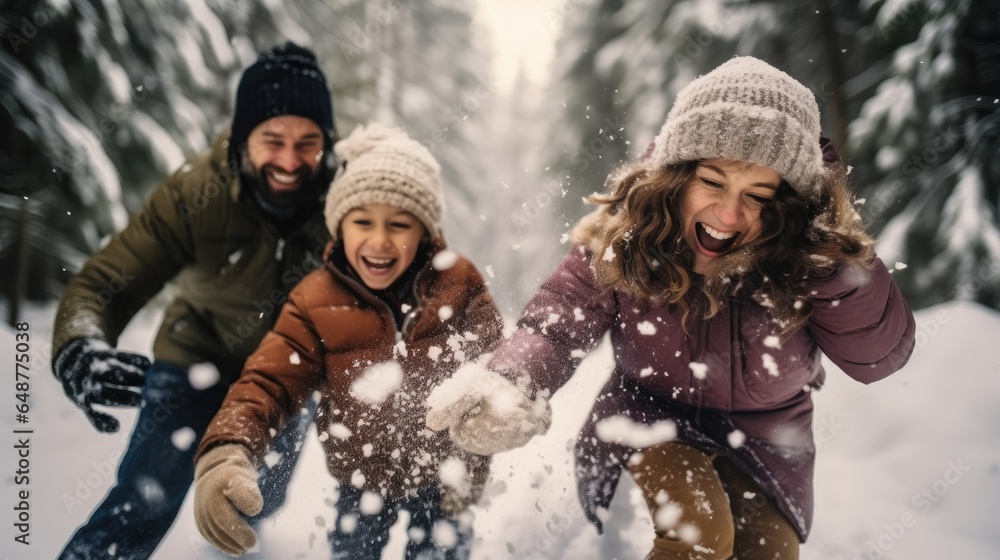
<point>713,240</point>
<point>378,264</point>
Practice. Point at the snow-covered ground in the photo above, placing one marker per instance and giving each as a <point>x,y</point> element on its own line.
<point>909,468</point>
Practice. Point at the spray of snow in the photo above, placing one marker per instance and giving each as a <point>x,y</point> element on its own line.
<point>358,479</point>
<point>340,431</point>
<point>621,429</point>
<point>272,458</point>
<point>444,534</point>
<point>454,474</point>
<point>444,260</point>
<point>202,376</point>
<point>183,438</point>
<point>377,382</point>
<point>646,328</point>
<point>770,365</point>
<point>416,534</point>
<point>434,352</point>
<point>349,523</point>
<point>667,516</point>
<point>445,312</point>
<point>371,503</point>
<point>736,439</point>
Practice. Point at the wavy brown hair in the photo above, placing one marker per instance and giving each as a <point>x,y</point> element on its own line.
<point>638,247</point>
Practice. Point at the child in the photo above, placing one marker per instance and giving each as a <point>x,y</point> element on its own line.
<point>722,264</point>
<point>390,315</point>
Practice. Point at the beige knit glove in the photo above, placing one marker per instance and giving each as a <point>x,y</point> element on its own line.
<point>225,485</point>
<point>484,412</point>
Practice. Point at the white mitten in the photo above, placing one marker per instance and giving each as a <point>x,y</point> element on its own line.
<point>484,412</point>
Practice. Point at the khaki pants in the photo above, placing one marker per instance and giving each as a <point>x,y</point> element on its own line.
<point>706,508</point>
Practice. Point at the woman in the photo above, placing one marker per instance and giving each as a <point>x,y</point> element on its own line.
<point>722,264</point>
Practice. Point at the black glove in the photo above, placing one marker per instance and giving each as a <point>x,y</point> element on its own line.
<point>92,372</point>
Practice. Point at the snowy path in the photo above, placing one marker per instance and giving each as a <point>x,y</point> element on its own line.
<point>909,467</point>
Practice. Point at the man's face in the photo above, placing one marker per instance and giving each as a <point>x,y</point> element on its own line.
<point>284,152</point>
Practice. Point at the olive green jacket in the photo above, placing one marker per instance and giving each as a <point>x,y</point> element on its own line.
<point>232,268</point>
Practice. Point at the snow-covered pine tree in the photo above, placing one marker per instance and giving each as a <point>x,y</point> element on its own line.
<point>519,211</point>
<point>585,140</point>
<point>927,148</point>
<point>620,65</point>
<point>101,100</point>
<point>418,65</point>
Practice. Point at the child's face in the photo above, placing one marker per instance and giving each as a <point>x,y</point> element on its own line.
<point>380,241</point>
<point>721,207</point>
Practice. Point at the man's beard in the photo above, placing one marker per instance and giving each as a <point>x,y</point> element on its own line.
<point>283,205</point>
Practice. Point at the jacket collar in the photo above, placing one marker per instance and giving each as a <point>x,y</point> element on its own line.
<point>357,286</point>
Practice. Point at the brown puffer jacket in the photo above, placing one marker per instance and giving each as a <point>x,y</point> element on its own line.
<point>231,267</point>
<point>335,337</point>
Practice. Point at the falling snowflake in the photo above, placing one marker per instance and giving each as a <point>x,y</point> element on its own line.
<point>202,376</point>
<point>770,365</point>
<point>183,438</point>
<point>736,439</point>
<point>444,260</point>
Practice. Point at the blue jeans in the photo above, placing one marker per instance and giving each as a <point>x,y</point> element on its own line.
<point>154,474</point>
<point>358,536</point>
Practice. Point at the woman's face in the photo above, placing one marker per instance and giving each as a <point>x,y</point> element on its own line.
<point>721,207</point>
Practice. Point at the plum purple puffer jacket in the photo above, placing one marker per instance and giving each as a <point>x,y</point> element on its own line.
<point>732,372</point>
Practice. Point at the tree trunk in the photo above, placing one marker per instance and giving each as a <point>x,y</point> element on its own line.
<point>835,74</point>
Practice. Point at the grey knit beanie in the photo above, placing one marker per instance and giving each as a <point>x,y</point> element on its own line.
<point>382,165</point>
<point>747,110</point>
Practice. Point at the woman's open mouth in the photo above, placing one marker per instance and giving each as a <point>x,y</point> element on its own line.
<point>713,240</point>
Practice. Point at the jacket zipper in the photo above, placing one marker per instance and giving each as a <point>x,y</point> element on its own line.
<point>279,252</point>
<point>412,314</point>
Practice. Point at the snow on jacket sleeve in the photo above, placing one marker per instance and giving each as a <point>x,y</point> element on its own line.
<point>479,317</point>
<point>276,381</point>
<point>861,321</point>
<point>120,278</point>
<point>564,320</point>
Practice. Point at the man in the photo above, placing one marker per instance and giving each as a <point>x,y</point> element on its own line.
<point>234,229</point>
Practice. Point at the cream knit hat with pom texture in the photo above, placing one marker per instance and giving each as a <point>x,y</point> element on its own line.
<point>747,110</point>
<point>382,165</point>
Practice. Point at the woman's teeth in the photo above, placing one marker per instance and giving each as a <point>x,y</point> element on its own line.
<point>718,234</point>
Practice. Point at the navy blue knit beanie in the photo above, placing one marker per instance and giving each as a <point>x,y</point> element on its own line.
<point>284,81</point>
